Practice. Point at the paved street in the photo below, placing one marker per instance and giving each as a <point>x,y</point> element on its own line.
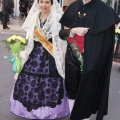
<point>6,83</point>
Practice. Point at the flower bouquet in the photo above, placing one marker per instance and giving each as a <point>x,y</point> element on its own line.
<point>117,33</point>
<point>15,44</point>
<point>77,46</point>
<point>117,46</point>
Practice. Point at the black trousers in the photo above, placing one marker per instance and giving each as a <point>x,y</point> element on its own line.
<point>72,74</point>
<point>5,18</point>
<point>1,16</point>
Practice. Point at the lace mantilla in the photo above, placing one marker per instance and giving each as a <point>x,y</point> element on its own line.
<point>51,28</point>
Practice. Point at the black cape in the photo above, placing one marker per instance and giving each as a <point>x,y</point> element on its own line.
<point>93,91</point>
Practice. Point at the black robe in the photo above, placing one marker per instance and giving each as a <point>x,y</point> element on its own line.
<point>93,90</point>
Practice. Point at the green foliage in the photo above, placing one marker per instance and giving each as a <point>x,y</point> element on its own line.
<point>6,43</point>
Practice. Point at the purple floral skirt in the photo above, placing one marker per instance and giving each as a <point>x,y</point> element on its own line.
<point>39,91</point>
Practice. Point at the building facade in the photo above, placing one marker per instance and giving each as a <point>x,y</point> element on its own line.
<point>67,2</point>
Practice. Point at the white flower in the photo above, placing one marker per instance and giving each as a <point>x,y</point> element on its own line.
<point>12,38</point>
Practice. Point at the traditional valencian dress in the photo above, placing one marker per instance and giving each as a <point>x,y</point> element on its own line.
<point>39,91</point>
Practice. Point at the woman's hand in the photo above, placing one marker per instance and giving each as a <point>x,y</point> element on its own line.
<point>81,31</point>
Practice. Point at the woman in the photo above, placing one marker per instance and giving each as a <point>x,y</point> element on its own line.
<point>91,88</point>
<point>39,91</point>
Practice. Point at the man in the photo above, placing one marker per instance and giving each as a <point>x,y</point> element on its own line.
<point>1,11</point>
<point>95,21</point>
<point>5,12</point>
<point>11,8</point>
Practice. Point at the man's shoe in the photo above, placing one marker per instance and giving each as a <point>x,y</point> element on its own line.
<point>7,28</point>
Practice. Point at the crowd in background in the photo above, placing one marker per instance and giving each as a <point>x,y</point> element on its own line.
<point>24,6</point>
<point>7,10</point>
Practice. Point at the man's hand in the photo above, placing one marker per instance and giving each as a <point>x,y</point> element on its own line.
<point>81,31</point>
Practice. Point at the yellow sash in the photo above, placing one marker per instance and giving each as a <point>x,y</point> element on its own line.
<point>46,44</point>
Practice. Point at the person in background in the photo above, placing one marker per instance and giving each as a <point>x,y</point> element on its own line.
<point>39,90</point>
<point>23,7</point>
<point>118,8</point>
<point>1,11</point>
<point>12,8</point>
<point>88,88</point>
<point>65,8</point>
<point>31,3</point>
<point>117,47</point>
<point>115,6</point>
<point>5,13</point>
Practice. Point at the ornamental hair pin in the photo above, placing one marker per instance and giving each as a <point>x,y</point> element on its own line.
<point>81,15</point>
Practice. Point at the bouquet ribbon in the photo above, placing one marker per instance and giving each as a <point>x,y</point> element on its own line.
<point>16,61</point>
<point>13,61</point>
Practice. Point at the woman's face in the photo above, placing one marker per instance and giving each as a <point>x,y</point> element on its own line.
<point>45,5</point>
